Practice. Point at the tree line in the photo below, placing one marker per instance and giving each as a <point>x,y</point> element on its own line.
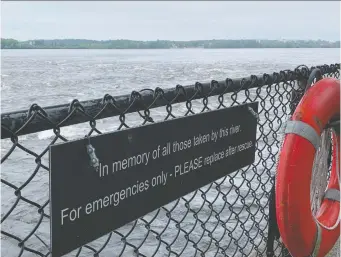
<point>162,44</point>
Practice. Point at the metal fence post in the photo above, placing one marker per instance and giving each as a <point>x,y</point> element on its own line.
<point>273,231</point>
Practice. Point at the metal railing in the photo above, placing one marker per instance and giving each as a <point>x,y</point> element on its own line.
<point>230,217</point>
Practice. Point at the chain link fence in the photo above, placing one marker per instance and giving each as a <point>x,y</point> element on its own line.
<point>229,217</point>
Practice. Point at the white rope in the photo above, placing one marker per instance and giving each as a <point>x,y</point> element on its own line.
<point>338,179</point>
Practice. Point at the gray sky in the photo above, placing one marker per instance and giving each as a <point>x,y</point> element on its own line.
<point>171,20</point>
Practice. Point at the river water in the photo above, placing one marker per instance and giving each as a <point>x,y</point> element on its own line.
<point>50,77</point>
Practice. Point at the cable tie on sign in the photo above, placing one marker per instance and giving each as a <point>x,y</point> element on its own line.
<point>253,113</point>
<point>94,162</point>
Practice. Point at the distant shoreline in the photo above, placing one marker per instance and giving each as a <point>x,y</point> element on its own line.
<point>197,48</point>
<point>164,44</point>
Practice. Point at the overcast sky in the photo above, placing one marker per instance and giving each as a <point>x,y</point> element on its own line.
<point>171,20</point>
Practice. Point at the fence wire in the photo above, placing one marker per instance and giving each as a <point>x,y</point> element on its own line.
<point>229,217</point>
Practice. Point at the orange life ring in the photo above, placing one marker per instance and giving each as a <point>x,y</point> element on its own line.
<point>303,234</point>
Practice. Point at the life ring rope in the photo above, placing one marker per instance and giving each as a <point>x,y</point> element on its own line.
<point>333,194</point>
<point>318,240</point>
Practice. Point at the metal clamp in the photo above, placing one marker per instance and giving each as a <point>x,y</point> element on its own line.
<point>315,74</point>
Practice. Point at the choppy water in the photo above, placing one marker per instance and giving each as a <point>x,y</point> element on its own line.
<point>49,77</point>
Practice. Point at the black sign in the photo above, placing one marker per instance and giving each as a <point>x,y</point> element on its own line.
<point>142,169</point>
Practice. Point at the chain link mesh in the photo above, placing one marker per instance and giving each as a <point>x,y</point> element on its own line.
<point>228,217</point>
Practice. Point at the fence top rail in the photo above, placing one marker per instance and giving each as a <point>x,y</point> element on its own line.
<point>37,118</point>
